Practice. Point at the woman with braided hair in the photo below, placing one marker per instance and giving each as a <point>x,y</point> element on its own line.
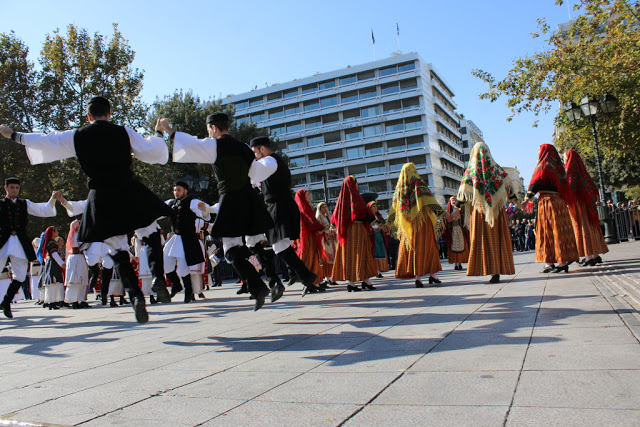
<point>413,215</point>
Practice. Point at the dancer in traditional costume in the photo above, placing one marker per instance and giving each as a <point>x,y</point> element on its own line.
<point>144,272</point>
<point>456,234</point>
<point>52,277</point>
<point>241,212</point>
<point>310,241</point>
<point>414,214</point>
<point>76,277</point>
<point>329,241</point>
<point>118,203</point>
<point>15,246</point>
<point>584,214</point>
<point>555,238</point>
<point>485,190</point>
<point>380,230</point>
<point>354,260</point>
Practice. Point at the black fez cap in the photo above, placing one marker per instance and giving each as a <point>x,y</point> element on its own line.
<point>216,117</point>
<point>11,180</point>
<point>182,184</point>
<point>260,140</point>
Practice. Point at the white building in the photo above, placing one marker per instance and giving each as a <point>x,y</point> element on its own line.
<point>366,121</point>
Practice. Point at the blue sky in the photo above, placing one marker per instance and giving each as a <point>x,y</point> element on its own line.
<point>217,48</point>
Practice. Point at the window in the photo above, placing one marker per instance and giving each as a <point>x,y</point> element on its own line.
<point>330,118</point>
<point>274,96</point>
<point>349,97</point>
<point>419,161</point>
<point>355,153</point>
<point>294,127</point>
<point>415,142</point>
<point>331,137</point>
<point>276,113</point>
<point>372,130</point>
<point>334,192</point>
<point>316,159</point>
<point>367,93</point>
<point>407,67</point>
<point>309,88</point>
<point>390,88</point>
<point>296,162</point>
<point>358,170</point>
<point>396,164</point>
<point>410,103</point>
<point>347,80</point>
<point>363,187</point>
<point>242,120</point>
<point>311,105</point>
<point>329,102</point>
<point>256,101</point>
<point>295,144</point>
<point>336,174</point>
<point>318,176</point>
<point>317,195</point>
<point>278,130</point>
<point>408,84</point>
<point>350,115</point>
<point>395,145</point>
<point>377,167</point>
<point>394,126</point>
<point>390,107</point>
<point>312,123</point>
<point>299,179</point>
<point>366,75</point>
<point>290,110</point>
<point>388,71</point>
<point>372,149</point>
<point>383,204</point>
<point>333,156</point>
<point>314,141</point>
<point>370,111</point>
<point>327,85</point>
<point>352,134</point>
<point>290,93</point>
<point>257,117</point>
<point>241,105</point>
<point>412,123</point>
<point>378,186</point>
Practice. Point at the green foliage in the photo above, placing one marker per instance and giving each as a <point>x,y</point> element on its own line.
<point>597,53</point>
<point>633,193</point>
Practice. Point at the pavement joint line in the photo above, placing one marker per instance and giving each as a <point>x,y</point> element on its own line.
<point>619,305</point>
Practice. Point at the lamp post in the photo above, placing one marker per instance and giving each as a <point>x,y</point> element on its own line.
<point>591,109</point>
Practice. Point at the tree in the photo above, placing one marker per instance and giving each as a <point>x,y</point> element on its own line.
<point>597,53</point>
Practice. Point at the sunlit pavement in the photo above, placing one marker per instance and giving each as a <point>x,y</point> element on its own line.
<point>535,349</point>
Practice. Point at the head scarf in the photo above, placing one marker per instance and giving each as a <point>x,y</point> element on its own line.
<point>319,215</point>
<point>549,172</point>
<point>42,250</point>
<point>378,215</point>
<point>485,185</point>
<point>309,224</point>
<point>581,185</point>
<point>411,199</point>
<point>73,230</point>
<point>349,207</point>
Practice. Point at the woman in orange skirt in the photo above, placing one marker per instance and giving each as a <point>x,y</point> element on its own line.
<point>354,260</point>
<point>308,244</point>
<point>413,215</point>
<point>485,189</point>
<point>456,234</point>
<point>329,241</point>
<point>555,239</point>
<point>584,214</point>
<point>380,229</point>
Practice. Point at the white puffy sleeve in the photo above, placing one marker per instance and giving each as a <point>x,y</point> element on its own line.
<point>194,208</point>
<point>151,150</point>
<point>45,209</point>
<point>262,169</point>
<point>190,149</point>
<point>47,147</point>
<point>75,208</point>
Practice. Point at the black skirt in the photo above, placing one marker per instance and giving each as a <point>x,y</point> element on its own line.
<point>241,213</point>
<point>286,217</point>
<point>119,209</point>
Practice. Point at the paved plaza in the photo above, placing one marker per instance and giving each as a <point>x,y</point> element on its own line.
<point>536,349</point>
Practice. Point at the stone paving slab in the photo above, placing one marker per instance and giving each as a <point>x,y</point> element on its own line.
<point>535,349</point>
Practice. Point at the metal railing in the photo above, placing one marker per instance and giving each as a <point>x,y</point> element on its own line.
<point>627,222</point>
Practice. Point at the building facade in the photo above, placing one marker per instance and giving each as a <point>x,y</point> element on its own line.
<point>366,121</point>
<point>471,135</point>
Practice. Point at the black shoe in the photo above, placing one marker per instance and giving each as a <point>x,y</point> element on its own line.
<point>140,310</point>
<point>243,289</point>
<point>590,263</point>
<point>582,261</point>
<point>123,301</point>
<point>365,285</point>
<point>559,269</point>
<point>598,260</point>
<point>53,307</point>
<point>334,283</point>
<point>64,304</point>
<point>206,288</point>
<point>260,299</point>
<point>549,268</point>
<point>495,278</point>
<point>113,303</point>
<point>152,300</point>
<point>419,284</point>
<point>201,295</point>
<point>75,305</point>
<point>6,309</point>
<point>353,288</point>
<point>161,290</point>
<point>277,291</point>
<point>379,276</point>
<point>84,304</point>
<point>433,280</point>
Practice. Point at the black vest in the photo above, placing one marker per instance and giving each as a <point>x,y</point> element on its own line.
<point>278,185</point>
<point>104,152</point>
<point>183,220</point>
<point>14,218</point>
<point>232,164</point>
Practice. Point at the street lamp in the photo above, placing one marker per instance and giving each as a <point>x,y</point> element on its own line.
<point>590,108</point>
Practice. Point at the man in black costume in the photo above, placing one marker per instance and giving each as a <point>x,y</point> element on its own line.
<point>118,203</point>
<point>15,246</point>
<point>241,212</point>
<point>183,249</point>
<point>274,174</point>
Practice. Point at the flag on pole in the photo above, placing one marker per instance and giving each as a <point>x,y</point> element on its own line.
<point>373,39</point>
<point>397,29</point>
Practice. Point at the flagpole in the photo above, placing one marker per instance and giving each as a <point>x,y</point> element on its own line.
<point>373,41</point>
<point>398,36</point>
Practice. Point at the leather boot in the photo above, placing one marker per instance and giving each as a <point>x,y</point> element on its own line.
<point>188,289</point>
<point>107,273</point>
<point>156,266</point>
<point>290,257</point>
<point>176,286</point>
<point>6,302</point>
<point>239,258</point>
<point>267,260</point>
<point>130,283</point>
